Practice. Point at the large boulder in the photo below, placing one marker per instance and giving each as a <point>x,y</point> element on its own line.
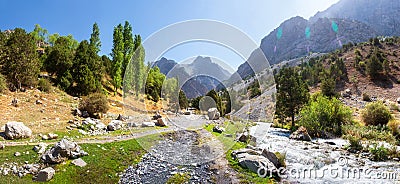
<point>62,151</point>
<point>160,122</point>
<point>114,125</point>
<point>40,148</point>
<point>148,124</point>
<point>300,134</point>
<point>398,100</point>
<point>257,163</point>
<point>17,130</point>
<point>213,114</point>
<point>271,157</point>
<point>45,174</point>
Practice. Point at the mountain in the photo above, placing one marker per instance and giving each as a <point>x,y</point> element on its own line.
<point>344,22</point>
<point>381,15</point>
<point>195,78</point>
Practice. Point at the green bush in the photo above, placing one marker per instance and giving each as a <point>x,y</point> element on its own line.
<point>178,178</point>
<point>376,113</point>
<point>355,142</point>
<point>3,84</point>
<point>376,133</point>
<point>379,153</point>
<point>323,115</point>
<point>44,85</point>
<point>394,126</point>
<point>94,103</point>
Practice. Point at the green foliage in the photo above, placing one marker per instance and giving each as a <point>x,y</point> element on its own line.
<point>328,86</point>
<point>217,99</point>
<point>374,66</point>
<point>254,89</point>
<point>179,178</point>
<point>94,103</point>
<point>3,84</point>
<point>95,42</point>
<point>60,61</point>
<point>292,93</point>
<point>376,113</point>
<point>183,101</point>
<point>324,115</point>
<point>394,126</point>
<point>20,62</point>
<point>195,102</point>
<point>44,85</point>
<point>154,84</point>
<point>375,133</point>
<point>87,72</point>
<point>39,33</point>
<point>379,153</point>
<point>386,67</point>
<point>355,143</point>
<point>118,56</point>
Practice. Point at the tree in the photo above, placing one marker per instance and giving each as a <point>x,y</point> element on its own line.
<point>171,92</point>
<point>138,65</point>
<point>154,84</point>
<point>183,101</point>
<point>39,33</point>
<point>129,46</point>
<point>95,42</point>
<point>214,95</point>
<point>20,62</point>
<point>374,66</point>
<point>328,86</point>
<point>118,57</point>
<point>292,93</point>
<point>60,61</point>
<point>87,70</point>
<point>386,67</point>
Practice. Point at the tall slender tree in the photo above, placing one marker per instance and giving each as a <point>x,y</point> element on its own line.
<point>95,42</point>
<point>118,56</point>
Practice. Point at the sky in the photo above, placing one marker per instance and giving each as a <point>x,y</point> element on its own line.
<point>256,18</point>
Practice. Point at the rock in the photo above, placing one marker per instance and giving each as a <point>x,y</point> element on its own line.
<point>14,102</point>
<point>2,146</point>
<point>114,125</point>
<point>244,137</point>
<point>300,134</point>
<point>131,124</point>
<point>39,102</point>
<point>160,122</point>
<point>148,124</point>
<point>213,114</point>
<point>77,112</point>
<point>398,100</point>
<point>346,93</point>
<point>85,114</point>
<point>45,174</point>
<point>52,136</point>
<point>79,162</point>
<point>272,158</point>
<point>100,126</point>
<point>157,116</point>
<point>16,130</point>
<point>40,148</point>
<point>187,113</point>
<point>17,154</point>
<point>121,117</point>
<point>254,162</point>
<point>45,137</point>
<point>82,132</point>
<point>218,129</point>
<point>235,153</point>
<point>62,151</point>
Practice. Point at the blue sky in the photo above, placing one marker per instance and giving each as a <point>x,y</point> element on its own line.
<point>76,17</point>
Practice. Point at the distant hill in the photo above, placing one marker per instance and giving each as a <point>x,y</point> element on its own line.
<point>197,77</point>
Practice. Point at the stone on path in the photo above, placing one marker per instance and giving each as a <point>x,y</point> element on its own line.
<point>17,130</point>
<point>45,174</point>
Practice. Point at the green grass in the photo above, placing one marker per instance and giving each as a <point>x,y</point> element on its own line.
<point>245,175</point>
<point>103,166</point>
<point>179,178</point>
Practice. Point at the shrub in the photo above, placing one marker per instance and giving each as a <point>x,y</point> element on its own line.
<point>179,178</point>
<point>94,103</point>
<point>3,84</point>
<point>376,113</point>
<point>355,142</point>
<point>394,107</point>
<point>379,153</point>
<point>375,133</point>
<point>324,115</point>
<point>44,85</point>
<point>394,126</point>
